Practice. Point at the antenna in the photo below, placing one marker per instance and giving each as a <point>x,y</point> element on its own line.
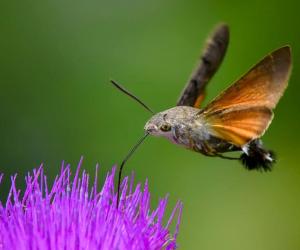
<point>124,161</point>
<point>119,87</point>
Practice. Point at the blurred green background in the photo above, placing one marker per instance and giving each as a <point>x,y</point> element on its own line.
<point>57,57</point>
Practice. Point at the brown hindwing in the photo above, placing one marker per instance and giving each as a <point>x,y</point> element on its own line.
<point>240,126</point>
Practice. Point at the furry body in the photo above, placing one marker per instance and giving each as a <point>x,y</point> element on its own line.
<point>189,128</point>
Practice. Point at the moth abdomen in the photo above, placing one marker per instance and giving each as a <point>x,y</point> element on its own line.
<point>257,157</point>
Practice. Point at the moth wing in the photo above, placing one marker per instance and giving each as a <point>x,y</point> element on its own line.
<point>262,85</point>
<point>240,126</point>
<point>194,92</point>
<point>244,111</point>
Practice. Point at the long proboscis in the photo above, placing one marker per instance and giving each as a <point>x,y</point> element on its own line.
<point>123,163</point>
<point>125,91</point>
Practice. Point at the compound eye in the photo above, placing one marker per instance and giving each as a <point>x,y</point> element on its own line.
<point>165,127</point>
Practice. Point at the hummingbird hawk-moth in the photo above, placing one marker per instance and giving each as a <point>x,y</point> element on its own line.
<point>236,119</point>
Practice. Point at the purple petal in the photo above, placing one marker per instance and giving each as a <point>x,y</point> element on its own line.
<point>72,214</point>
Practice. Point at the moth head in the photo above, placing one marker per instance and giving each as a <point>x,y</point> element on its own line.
<point>159,125</point>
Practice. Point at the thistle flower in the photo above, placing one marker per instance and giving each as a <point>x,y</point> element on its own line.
<point>74,215</point>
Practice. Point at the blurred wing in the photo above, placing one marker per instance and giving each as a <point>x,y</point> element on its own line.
<point>244,111</point>
<point>193,93</point>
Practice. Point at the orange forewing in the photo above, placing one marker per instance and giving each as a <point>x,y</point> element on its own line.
<point>244,111</point>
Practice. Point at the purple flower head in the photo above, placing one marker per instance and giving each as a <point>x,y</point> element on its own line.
<point>72,214</point>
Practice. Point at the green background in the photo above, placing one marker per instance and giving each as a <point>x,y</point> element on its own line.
<point>56,59</point>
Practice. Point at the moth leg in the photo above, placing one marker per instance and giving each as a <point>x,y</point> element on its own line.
<point>226,157</point>
<point>205,149</point>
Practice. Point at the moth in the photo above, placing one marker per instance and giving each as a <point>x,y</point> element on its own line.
<point>236,119</point>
